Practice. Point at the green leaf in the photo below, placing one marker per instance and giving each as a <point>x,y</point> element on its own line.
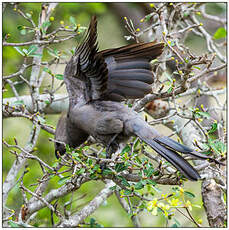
<point>138,185</point>
<point>63,180</point>
<point>136,144</point>
<point>147,17</point>
<point>176,224</point>
<point>203,114</point>
<point>32,49</point>
<point>150,172</point>
<point>81,171</point>
<point>151,182</point>
<point>55,164</point>
<point>119,167</point>
<point>19,102</point>
<point>20,27</point>
<point>23,32</point>
<point>25,51</point>
<point>170,89</point>
<point>213,127</point>
<point>47,70</point>
<point>196,67</point>
<point>126,149</point>
<point>72,20</point>
<point>106,172</point>
<point>30,31</point>
<point>19,50</point>
<point>82,29</point>
<point>189,194</point>
<point>127,192</point>
<point>186,60</point>
<point>59,76</point>
<point>217,146</point>
<point>138,160</point>
<point>54,53</point>
<point>14,224</point>
<point>92,222</point>
<point>72,51</point>
<point>28,15</point>
<point>113,188</point>
<point>220,33</point>
<point>75,154</point>
<point>186,14</point>
<point>93,176</point>
<point>168,83</point>
<point>143,181</point>
<point>124,181</point>
<point>46,24</point>
<point>51,176</point>
<point>89,161</point>
<point>96,167</point>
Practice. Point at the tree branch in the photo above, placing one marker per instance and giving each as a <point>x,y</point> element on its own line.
<point>213,203</point>
<point>76,219</point>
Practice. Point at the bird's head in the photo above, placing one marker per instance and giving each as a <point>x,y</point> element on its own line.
<point>59,149</point>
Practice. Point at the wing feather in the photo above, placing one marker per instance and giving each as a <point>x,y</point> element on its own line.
<point>113,74</point>
<point>92,67</point>
<point>128,68</point>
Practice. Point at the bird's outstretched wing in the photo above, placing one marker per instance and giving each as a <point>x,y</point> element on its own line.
<point>91,66</point>
<point>129,70</point>
<point>113,74</point>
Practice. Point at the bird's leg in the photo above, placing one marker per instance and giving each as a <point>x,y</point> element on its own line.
<point>109,149</point>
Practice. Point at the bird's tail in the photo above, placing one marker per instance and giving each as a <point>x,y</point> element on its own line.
<point>165,146</point>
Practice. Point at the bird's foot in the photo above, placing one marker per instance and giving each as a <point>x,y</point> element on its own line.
<point>111,146</point>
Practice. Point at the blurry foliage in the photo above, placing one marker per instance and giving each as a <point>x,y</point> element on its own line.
<point>216,8</point>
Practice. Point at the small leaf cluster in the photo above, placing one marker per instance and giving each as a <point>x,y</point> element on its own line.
<point>214,144</point>
<point>30,52</point>
<point>168,203</point>
<point>57,76</point>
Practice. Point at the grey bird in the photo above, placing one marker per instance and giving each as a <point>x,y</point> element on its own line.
<point>96,83</point>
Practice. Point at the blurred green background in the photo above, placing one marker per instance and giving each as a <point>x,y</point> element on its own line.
<point>111,33</point>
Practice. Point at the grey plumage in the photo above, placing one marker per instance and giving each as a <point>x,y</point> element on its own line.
<point>96,83</point>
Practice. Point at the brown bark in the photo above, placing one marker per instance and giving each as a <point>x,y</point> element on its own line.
<point>213,203</point>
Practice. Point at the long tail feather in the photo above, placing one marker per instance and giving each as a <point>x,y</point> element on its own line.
<point>146,133</point>
<point>170,143</point>
<point>175,159</point>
